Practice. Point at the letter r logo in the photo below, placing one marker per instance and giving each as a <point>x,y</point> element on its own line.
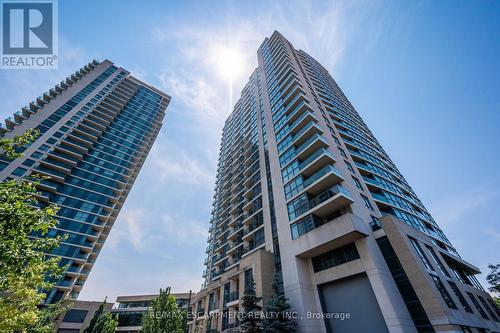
<point>27,27</point>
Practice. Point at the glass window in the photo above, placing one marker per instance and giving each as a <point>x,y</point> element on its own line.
<point>478,307</point>
<point>421,254</point>
<point>335,257</point>
<point>36,155</point>
<point>19,171</point>
<point>248,277</point>
<point>349,166</point>
<point>442,290</point>
<point>28,162</point>
<point>485,305</point>
<point>437,261</point>
<point>357,183</point>
<point>342,152</point>
<point>75,316</point>
<point>460,297</point>
<point>367,202</point>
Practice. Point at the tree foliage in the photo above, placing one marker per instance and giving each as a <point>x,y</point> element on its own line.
<point>278,319</point>
<point>10,146</point>
<point>493,279</point>
<point>102,322</point>
<point>163,315</point>
<point>251,319</point>
<point>25,271</point>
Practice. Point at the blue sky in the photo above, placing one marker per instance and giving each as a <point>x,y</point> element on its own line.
<point>425,76</point>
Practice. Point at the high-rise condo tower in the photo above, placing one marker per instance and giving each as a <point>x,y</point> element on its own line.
<point>305,192</point>
<point>97,127</point>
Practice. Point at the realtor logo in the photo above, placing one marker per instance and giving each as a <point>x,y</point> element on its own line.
<point>29,35</point>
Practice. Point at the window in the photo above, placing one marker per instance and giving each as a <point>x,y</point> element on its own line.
<point>475,282</point>
<point>421,254</point>
<point>460,297</point>
<point>410,298</point>
<point>335,257</point>
<point>28,162</point>
<point>211,302</point>
<point>444,293</point>
<point>485,305</point>
<point>342,152</point>
<point>349,166</point>
<point>478,307</point>
<point>44,147</point>
<point>130,318</point>
<point>459,275</point>
<point>494,307</point>
<point>19,171</point>
<point>437,261</point>
<point>294,187</point>
<point>367,202</point>
<point>248,278</point>
<point>358,184</point>
<point>75,316</point>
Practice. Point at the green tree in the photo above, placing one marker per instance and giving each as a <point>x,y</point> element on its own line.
<point>26,272</point>
<point>102,322</point>
<point>493,279</point>
<point>163,315</point>
<point>251,318</point>
<point>278,319</point>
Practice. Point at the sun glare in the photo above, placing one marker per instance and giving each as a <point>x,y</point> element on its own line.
<point>230,63</point>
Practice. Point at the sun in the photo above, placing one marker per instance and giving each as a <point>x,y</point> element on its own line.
<point>230,62</point>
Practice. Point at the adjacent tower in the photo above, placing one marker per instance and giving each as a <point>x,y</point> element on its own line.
<point>305,192</point>
<point>97,127</point>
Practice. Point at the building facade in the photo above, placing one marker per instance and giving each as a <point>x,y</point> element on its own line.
<point>131,308</point>
<point>78,317</point>
<point>96,130</point>
<point>306,194</point>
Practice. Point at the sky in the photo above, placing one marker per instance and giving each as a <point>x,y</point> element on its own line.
<point>424,75</point>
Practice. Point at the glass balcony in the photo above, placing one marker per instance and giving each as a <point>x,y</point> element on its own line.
<point>297,125</point>
<point>64,283</point>
<point>316,161</point>
<point>310,145</point>
<point>329,174</point>
<point>304,225</point>
<point>379,197</point>
<point>294,103</point>
<point>212,306</point>
<point>298,110</point>
<point>73,269</point>
<point>297,89</point>
<point>232,297</point>
<point>305,132</point>
<point>323,204</point>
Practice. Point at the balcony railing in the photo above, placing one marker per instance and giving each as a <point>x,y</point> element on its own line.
<point>212,306</point>
<point>308,142</point>
<point>301,119</point>
<point>321,173</point>
<point>307,204</point>
<point>231,297</point>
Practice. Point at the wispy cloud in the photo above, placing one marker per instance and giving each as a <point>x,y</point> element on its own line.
<point>185,232</point>
<point>142,229</point>
<point>493,234</point>
<point>459,206</point>
<point>132,229</point>
<point>192,78</point>
<point>175,165</point>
